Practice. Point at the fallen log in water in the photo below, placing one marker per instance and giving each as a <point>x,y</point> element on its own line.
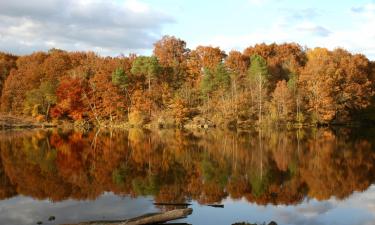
<point>145,219</point>
<point>185,204</point>
<point>216,205</point>
<point>172,204</point>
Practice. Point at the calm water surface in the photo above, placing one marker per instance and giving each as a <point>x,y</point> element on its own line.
<point>319,176</point>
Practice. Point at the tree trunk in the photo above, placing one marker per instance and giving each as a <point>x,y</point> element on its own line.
<point>145,219</point>
<point>260,99</point>
<point>235,98</point>
<point>47,111</point>
<point>149,94</point>
<point>92,109</point>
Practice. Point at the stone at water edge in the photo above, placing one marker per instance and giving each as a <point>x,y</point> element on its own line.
<point>51,218</point>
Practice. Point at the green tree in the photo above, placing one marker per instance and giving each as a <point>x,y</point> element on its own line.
<point>216,79</point>
<point>40,100</point>
<point>120,78</point>
<point>146,66</point>
<point>258,77</point>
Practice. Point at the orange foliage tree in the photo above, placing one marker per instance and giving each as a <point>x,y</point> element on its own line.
<point>335,83</point>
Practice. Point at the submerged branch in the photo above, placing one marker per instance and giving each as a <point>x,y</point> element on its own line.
<point>145,219</point>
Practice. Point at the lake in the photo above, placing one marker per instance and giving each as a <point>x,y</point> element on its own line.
<point>300,176</point>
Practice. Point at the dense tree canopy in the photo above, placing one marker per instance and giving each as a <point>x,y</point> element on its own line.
<point>335,83</point>
<point>7,62</point>
<point>276,83</point>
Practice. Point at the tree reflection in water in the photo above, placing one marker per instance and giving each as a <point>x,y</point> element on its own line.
<point>265,167</point>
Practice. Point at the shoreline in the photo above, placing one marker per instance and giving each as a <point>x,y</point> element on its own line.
<point>17,122</point>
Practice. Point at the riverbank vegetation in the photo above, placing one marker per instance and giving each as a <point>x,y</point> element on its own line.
<point>176,86</point>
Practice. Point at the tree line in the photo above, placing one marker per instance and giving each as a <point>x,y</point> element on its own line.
<point>275,83</point>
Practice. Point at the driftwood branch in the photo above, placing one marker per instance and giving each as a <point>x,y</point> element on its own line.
<point>185,204</point>
<point>145,219</point>
<point>216,205</point>
<point>172,204</point>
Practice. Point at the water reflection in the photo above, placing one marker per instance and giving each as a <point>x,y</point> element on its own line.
<point>267,167</point>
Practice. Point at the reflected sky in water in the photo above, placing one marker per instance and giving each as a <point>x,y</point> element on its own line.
<point>25,210</point>
<point>357,209</point>
<point>319,176</point>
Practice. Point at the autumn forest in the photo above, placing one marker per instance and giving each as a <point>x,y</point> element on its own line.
<point>176,87</point>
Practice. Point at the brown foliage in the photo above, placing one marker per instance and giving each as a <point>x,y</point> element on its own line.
<point>7,63</point>
<point>203,57</point>
<point>172,53</point>
<point>283,60</point>
<point>237,62</point>
<point>282,106</point>
<point>335,83</point>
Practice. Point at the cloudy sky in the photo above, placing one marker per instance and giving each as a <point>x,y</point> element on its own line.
<point>113,27</point>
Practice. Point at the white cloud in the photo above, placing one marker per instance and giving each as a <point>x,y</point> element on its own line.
<point>313,29</point>
<point>136,6</point>
<point>109,27</point>
<point>367,9</point>
<point>357,37</point>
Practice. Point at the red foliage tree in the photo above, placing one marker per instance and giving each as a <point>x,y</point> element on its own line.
<point>70,99</point>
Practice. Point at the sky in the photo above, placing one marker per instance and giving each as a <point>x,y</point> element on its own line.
<point>114,27</point>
